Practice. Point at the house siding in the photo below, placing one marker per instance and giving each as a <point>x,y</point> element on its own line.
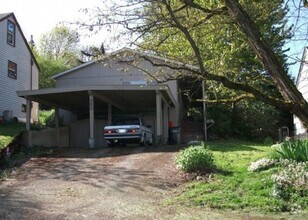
<point>302,86</point>
<point>20,55</point>
<point>106,73</point>
<point>112,73</point>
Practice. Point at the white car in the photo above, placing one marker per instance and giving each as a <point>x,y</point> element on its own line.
<point>128,130</point>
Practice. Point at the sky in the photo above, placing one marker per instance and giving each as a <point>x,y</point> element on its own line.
<point>37,17</point>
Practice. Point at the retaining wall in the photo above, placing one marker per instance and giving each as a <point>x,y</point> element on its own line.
<point>50,137</point>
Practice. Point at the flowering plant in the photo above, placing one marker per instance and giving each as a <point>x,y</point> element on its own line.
<point>293,178</point>
<point>261,164</point>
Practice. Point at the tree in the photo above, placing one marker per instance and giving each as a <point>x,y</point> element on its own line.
<point>57,51</point>
<point>61,43</point>
<point>91,53</point>
<point>144,18</point>
<point>48,69</point>
<point>294,101</point>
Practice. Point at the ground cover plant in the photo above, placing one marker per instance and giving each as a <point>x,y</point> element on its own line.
<point>248,182</point>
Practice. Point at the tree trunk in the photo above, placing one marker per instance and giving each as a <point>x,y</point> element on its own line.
<point>269,60</point>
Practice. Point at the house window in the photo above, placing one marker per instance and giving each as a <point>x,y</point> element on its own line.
<point>12,70</point>
<point>11,33</point>
<point>23,108</point>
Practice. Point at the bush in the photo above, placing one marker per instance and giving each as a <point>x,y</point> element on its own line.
<point>294,150</point>
<point>268,141</point>
<point>196,143</point>
<point>261,164</point>
<point>47,118</point>
<point>292,179</point>
<point>195,159</point>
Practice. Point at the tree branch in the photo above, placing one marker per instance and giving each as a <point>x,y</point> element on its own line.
<point>279,103</point>
<point>226,101</point>
<point>187,35</point>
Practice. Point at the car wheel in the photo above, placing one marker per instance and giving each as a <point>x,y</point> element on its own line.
<point>144,141</point>
<point>111,144</point>
<point>151,141</point>
<point>123,144</point>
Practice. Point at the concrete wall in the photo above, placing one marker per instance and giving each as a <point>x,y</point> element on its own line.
<point>66,117</point>
<point>51,137</point>
<point>20,55</point>
<point>80,132</point>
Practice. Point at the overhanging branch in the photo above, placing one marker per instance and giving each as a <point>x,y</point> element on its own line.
<point>279,103</point>
<point>226,101</point>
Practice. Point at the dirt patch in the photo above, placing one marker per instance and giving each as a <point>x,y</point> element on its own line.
<point>109,183</point>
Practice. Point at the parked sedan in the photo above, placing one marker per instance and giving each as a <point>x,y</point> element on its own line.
<point>128,130</point>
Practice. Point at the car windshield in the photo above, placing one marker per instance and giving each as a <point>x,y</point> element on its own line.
<point>126,121</point>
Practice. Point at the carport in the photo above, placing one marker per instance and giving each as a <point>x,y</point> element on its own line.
<point>106,99</point>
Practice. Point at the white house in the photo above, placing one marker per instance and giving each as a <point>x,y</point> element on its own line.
<point>18,69</point>
<point>124,82</point>
<point>302,85</point>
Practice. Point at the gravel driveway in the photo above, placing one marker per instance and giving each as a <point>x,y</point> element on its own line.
<point>109,183</point>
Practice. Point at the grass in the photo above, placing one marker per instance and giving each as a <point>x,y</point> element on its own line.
<point>8,132</point>
<point>235,188</point>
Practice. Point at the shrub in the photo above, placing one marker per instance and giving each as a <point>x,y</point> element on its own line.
<point>3,174</point>
<point>268,141</point>
<point>195,159</point>
<point>196,143</point>
<point>47,118</point>
<point>292,179</point>
<point>294,150</point>
<point>261,164</point>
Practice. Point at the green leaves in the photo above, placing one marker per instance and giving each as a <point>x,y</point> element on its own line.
<point>195,159</point>
<point>49,68</point>
<point>61,43</point>
<point>57,51</point>
<point>294,150</point>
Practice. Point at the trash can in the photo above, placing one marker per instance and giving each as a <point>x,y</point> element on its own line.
<point>7,116</point>
<point>175,135</point>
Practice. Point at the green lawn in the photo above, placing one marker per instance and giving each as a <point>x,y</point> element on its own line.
<point>232,186</point>
<point>8,132</point>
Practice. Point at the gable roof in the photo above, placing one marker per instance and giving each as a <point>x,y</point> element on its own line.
<point>127,51</point>
<point>303,62</point>
<point>3,17</point>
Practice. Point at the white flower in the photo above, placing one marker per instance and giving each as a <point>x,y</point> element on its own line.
<point>293,176</point>
<point>261,164</point>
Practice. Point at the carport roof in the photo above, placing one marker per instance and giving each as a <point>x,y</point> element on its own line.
<point>123,97</point>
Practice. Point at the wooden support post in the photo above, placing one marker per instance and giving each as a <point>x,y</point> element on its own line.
<point>158,118</point>
<point>91,114</point>
<point>28,115</point>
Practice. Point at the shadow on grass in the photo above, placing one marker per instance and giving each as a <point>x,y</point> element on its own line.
<point>232,146</point>
<point>223,172</point>
<point>11,129</point>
